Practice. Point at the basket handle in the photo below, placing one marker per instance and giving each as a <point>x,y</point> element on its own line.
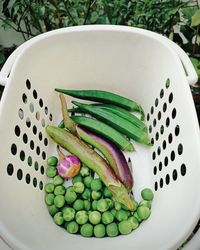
<point>191,74</point>
<point>5,71</point>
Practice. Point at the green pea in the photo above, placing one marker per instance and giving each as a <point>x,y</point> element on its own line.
<point>70,196</point>
<point>59,201</point>
<point>134,222</point>
<point>87,181</point>
<point>125,227</point>
<point>69,188</point>
<point>107,193</point>
<point>124,207</point>
<point>77,178</point>
<point>95,217</point>
<point>113,211</point>
<point>102,205</point>
<point>96,185</point>
<point>96,195</point>
<point>72,227</point>
<point>143,212</point>
<point>86,194</point>
<point>58,218</point>
<point>52,161</point>
<point>121,215</point>
<point>85,171</point>
<point>110,203</point>
<point>49,187</point>
<point>107,217</point>
<point>86,230</point>
<point>59,190</point>
<point>81,217</point>
<point>78,187</point>
<point>51,171</point>
<point>145,203</point>
<point>52,210</point>
<point>94,205</point>
<point>112,229</point>
<point>68,214</point>
<point>86,205</point>
<point>117,205</point>
<point>147,194</point>
<point>78,205</point>
<point>99,231</point>
<point>137,217</point>
<point>58,180</point>
<point>49,199</point>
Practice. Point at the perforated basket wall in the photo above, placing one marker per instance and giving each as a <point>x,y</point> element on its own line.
<point>130,62</point>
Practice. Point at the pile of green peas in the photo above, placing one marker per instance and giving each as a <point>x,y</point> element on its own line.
<point>86,207</point>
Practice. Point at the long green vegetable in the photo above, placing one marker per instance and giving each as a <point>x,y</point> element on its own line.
<point>104,97</point>
<point>119,123</point>
<point>94,161</point>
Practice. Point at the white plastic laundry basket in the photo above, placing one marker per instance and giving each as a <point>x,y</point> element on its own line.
<point>134,63</point>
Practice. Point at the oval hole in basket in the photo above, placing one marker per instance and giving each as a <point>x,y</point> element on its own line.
<point>167,179</point>
<point>24,98</point>
<point>162,129</point>
<point>21,114</point>
<point>166,161</point>
<point>35,95</point>
<point>156,102</point>
<point>41,185</point>
<point>32,145</point>
<point>14,149</point>
<point>150,128</point>
<point>152,110</point>
<point>28,84</point>
<point>37,115</point>
<point>40,136</point>
<point>183,169</point>
<point>167,122</point>
<point>177,130</point>
<point>43,155</point>
<point>154,122</point>
<point>164,107</point>
<point>22,155</point>
<point>35,182</point>
<point>160,166</point>
<point>170,97</point>
<point>154,155</point>
<point>25,138</point>
<point>28,178</point>
<point>155,170</point>
<point>46,110</point>
<point>148,117</point>
<point>50,117</point>
<point>45,141</point>
<point>36,165</point>
<point>170,138</point>
<point>159,150</point>
<point>41,102</point>
<point>31,107</point>
<point>164,145</point>
<point>180,149</point>
<point>157,136</point>
<point>174,175</point>
<point>34,130</point>
<point>159,115</point>
<point>38,150</point>
<point>172,156</point>
<point>161,182</point>
<point>173,113</point>
<point>10,169</point>
<point>161,93</point>
<point>152,141</point>
<point>43,122</point>
<point>156,186</point>
<point>19,174</point>
<point>28,122</point>
<point>167,83</point>
<point>29,161</point>
<point>17,130</point>
<point>42,170</point>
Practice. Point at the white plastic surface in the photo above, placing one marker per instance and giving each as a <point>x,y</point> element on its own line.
<point>128,61</point>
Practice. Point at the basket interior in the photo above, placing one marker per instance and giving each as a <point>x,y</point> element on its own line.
<point>127,64</point>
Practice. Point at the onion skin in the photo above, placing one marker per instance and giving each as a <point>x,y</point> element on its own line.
<point>94,161</point>
<point>68,166</point>
<point>111,152</point>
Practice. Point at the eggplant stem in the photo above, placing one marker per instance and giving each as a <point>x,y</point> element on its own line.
<point>68,122</point>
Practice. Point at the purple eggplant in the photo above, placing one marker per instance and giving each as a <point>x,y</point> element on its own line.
<point>111,152</point>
